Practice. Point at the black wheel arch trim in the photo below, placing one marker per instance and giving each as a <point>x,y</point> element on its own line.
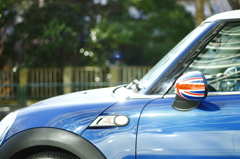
<point>59,138</point>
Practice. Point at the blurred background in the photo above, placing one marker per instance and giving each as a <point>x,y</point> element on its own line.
<point>53,47</point>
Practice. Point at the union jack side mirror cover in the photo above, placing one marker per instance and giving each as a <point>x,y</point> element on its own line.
<point>192,86</point>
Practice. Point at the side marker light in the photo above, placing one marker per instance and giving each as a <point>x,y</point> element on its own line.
<point>110,121</point>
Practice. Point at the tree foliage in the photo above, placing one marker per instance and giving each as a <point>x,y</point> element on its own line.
<point>51,35</point>
<point>7,15</point>
<point>143,38</point>
<point>80,32</point>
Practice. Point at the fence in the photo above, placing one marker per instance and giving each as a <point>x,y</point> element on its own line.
<point>7,88</point>
<point>18,89</point>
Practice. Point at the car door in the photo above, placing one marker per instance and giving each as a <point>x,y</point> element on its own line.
<point>211,129</point>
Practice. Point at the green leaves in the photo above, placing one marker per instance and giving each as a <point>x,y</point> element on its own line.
<point>80,32</point>
<point>145,32</point>
<point>7,14</point>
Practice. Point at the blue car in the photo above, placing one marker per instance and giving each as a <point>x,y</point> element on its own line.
<point>187,106</point>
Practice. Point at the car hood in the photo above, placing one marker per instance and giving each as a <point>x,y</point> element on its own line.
<point>73,112</point>
<point>89,96</point>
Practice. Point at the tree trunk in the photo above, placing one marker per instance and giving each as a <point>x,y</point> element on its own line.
<point>234,4</point>
<point>199,17</point>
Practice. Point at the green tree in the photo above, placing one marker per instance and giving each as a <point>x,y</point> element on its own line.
<point>80,32</point>
<point>7,18</point>
<point>140,32</point>
<point>51,34</point>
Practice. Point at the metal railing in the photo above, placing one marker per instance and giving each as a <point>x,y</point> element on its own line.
<point>8,80</point>
<point>41,83</point>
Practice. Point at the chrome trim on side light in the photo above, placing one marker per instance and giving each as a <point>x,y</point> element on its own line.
<point>110,121</point>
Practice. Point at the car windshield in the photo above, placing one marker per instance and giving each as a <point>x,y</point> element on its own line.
<point>155,72</point>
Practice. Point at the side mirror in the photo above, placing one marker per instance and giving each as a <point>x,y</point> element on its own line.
<point>191,88</point>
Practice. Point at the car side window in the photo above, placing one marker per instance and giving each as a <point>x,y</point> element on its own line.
<point>220,60</point>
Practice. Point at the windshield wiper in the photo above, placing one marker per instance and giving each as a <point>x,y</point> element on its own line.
<point>139,86</point>
<point>135,85</point>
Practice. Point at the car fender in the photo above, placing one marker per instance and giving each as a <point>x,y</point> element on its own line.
<point>62,139</point>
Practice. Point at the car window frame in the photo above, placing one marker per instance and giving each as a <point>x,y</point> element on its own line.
<point>222,93</point>
<point>164,83</point>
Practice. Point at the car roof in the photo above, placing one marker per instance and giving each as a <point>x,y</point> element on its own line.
<point>235,14</point>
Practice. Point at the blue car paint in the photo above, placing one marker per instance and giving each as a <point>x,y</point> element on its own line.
<point>210,130</point>
<point>120,141</point>
<point>72,112</point>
